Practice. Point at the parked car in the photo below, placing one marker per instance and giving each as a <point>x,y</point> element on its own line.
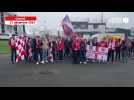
<point>4,36</point>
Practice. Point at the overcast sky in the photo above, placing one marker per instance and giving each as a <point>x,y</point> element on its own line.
<point>51,20</point>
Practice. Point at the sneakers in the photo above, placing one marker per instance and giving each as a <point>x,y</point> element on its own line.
<point>42,62</point>
<point>93,60</point>
<point>84,62</point>
<point>46,61</point>
<point>37,63</point>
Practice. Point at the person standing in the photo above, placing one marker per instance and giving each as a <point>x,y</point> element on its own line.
<point>83,52</point>
<point>38,50</point>
<point>33,44</point>
<point>61,48</point>
<point>30,50</point>
<point>113,51</point>
<point>45,48</point>
<point>26,48</point>
<point>76,50</point>
<point>109,50</point>
<point>67,47</point>
<point>13,49</point>
<point>129,48</point>
<point>54,49</point>
<point>132,47</point>
<point>117,50</point>
<point>124,51</point>
<point>50,54</point>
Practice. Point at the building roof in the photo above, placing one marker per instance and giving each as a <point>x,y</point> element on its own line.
<point>96,23</point>
<point>79,22</point>
<point>87,23</point>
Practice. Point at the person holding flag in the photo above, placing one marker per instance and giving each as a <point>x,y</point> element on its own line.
<point>70,33</point>
<point>76,50</point>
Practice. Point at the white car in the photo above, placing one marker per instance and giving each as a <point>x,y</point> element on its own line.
<point>4,36</point>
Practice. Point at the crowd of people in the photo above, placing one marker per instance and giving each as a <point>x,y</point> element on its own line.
<point>41,50</point>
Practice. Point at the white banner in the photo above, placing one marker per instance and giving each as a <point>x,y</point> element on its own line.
<point>98,53</point>
<point>89,52</point>
<point>103,53</point>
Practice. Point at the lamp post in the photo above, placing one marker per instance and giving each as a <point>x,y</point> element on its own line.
<point>2,23</point>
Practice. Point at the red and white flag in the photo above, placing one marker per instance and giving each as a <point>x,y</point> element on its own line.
<point>20,51</point>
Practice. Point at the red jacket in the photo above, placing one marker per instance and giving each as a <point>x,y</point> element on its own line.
<point>38,43</point>
<point>117,44</point>
<point>76,45</point>
<point>12,42</point>
<point>60,45</point>
<point>103,44</point>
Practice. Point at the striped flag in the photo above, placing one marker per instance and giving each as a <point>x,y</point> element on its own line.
<point>20,43</point>
<point>67,26</point>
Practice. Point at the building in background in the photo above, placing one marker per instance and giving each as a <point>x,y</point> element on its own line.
<point>96,28</point>
<point>132,31</point>
<point>110,30</point>
<point>10,29</point>
<point>88,26</point>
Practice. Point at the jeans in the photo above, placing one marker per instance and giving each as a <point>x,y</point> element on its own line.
<point>54,54</point>
<point>45,54</point>
<point>67,52</point>
<point>13,55</point>
<point>117,56</point>
<point>112,55</point>
<point>34,54</point>
<point>60,54</point>
<point>82,56</point>
<point>132,51</point>
<point>38,53</point>
<point>129,52</point>
<point>109,55</point>
<point>76,56</point>
<point>124,54</point>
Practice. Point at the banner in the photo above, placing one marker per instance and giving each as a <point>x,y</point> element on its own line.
<point>102,53</point>
<point>97,53</point>
<point>90,52</point>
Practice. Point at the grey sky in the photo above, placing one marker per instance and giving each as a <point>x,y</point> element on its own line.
<point>51,20</point>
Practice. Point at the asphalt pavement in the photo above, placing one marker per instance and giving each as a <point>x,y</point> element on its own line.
<point>65,74</point>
